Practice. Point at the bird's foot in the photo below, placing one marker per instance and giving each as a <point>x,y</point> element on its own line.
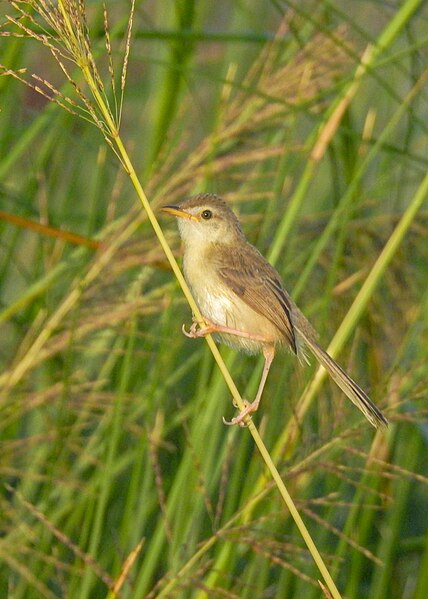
<point>199,329</point>
<point>249,408</point>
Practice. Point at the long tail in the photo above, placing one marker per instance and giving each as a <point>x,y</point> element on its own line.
<point>342,380</point>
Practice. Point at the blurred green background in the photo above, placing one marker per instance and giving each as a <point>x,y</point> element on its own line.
<point>111,433</point>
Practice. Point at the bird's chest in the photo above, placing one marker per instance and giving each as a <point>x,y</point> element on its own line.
<point>215,300</point>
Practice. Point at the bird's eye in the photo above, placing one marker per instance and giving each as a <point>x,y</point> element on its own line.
<point>206,214</point>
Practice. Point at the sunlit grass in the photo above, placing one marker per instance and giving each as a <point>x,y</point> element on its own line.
<point>118,468</point>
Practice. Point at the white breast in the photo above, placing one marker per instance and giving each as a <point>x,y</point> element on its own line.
<point>209,293</point>
<point>217,308</point>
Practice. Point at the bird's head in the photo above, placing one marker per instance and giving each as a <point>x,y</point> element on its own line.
<point>205,218</point>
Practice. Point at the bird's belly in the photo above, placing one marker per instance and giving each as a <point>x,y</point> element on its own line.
<point>232,312</point>
<point>221,306</point>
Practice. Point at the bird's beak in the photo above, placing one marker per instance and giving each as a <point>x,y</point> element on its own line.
<point>177,211</point>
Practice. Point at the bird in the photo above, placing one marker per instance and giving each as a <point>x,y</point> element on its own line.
<point>243,301</point>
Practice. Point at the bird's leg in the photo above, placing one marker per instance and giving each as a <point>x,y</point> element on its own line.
<point>268,352</point>
<point>196,331</point>
<point>251,407</point>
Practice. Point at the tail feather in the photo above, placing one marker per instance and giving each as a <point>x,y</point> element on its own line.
<point>344,382</point>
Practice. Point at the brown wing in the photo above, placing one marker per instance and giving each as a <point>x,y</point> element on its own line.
<point>258,284</point>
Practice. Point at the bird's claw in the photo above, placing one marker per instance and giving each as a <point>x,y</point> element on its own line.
<point>240,419</point>
<point>197,329</point>
<point>193,332</point>
<point>234,421</point>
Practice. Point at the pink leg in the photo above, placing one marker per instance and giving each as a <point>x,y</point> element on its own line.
<point>250,408</point>
<point>268,352</point>
<point>194,332</point>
